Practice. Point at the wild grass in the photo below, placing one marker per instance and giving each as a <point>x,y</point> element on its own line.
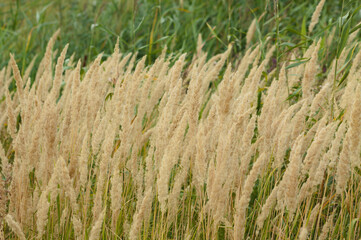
<point>92,27</point>
<point>205,148</point>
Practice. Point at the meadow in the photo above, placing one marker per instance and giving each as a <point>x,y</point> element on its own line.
<point>219,120</point>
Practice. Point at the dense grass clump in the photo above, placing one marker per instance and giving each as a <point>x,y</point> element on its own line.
<point>146,26</point>
<point>208,148</point>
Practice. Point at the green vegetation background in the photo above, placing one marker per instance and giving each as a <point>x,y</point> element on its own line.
<point>92,27</point>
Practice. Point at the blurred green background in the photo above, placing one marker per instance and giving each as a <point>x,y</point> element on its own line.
<point>92,27</point>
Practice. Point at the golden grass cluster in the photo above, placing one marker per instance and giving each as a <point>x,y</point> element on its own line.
<point>125,150</point>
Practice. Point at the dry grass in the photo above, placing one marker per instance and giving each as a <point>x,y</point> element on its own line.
<point>125,150</point>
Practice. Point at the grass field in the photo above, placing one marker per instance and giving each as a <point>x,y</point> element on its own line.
<point>180,119</point>
<point>92,27</point>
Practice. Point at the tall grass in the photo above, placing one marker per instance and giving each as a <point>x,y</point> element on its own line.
<point>130,150</point>
<point>146,26</point>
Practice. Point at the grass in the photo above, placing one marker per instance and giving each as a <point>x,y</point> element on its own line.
<point>147,27</point>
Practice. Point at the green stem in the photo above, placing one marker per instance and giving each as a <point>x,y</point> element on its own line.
<point>277,36</point>
<point>336,63</point>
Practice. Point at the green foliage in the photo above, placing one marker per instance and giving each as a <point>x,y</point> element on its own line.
<point>92,27</point>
